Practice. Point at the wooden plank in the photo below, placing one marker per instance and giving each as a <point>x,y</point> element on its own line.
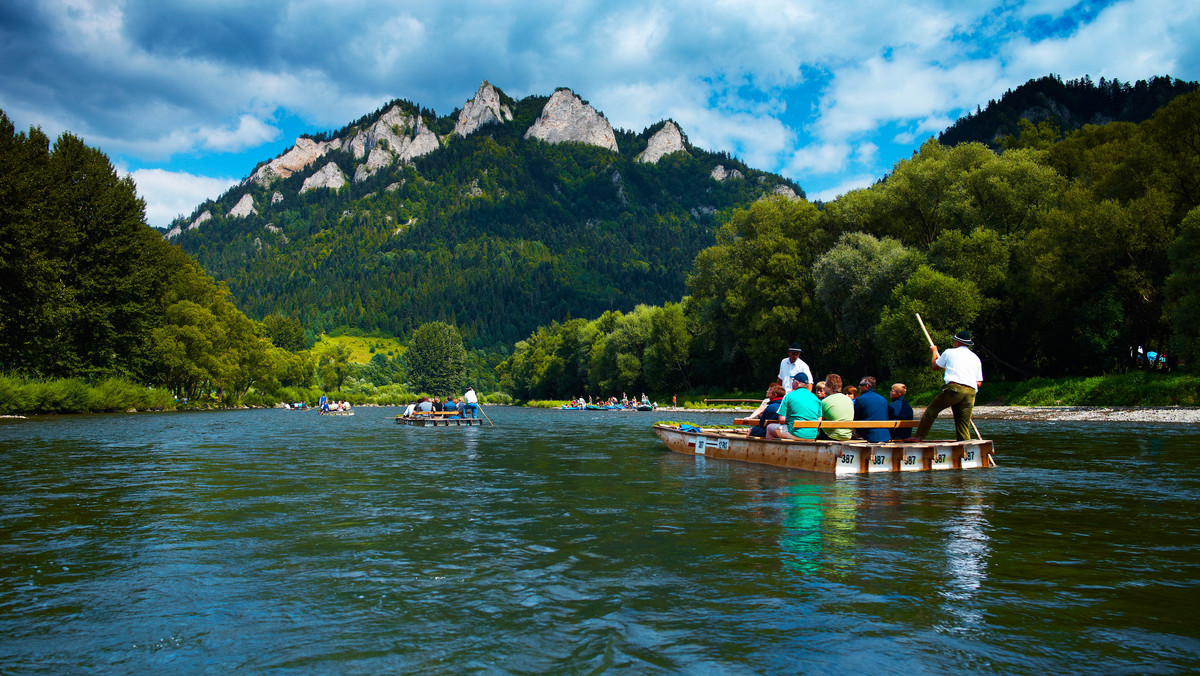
<point>845,424</point>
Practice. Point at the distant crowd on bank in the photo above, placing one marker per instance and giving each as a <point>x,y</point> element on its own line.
<point>795,397</point>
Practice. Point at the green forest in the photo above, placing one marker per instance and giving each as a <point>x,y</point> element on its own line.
<point>1064,253</point>
<point>545,271</point>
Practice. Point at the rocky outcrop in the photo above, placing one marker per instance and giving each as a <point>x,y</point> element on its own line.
<point>566,118</point>
<point>666,141</point>
<point>330,176</point>
<point>396,135</point>
<point>300,157</point>
<point>720,174</point>
<point>200,219</point>
<point>178,229</point>
<point>244,207</point>
<point>485,108</point>
<point>780,190</point>
<point>277,197</point>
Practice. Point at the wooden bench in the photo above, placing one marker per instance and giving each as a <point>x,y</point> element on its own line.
<point>842,424</point>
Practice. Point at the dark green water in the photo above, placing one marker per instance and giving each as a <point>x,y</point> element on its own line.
<point>573,542</point>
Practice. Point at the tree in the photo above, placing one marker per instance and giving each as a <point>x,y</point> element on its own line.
<point>1183,288</point>
<point>436,359</point>
<point>333,366</point>
<point>285,332</point>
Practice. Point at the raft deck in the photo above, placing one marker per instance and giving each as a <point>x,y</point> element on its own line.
<point>437,419</point>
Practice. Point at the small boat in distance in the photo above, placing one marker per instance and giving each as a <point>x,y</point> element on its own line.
<point>333,412</point>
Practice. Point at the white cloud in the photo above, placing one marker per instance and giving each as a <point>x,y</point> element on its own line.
<point>250,132</point>
<point>173,193</point>
<point>820,158</point>
<point>867,95</point>
<point>854,183</point>
<point>1129,40</point>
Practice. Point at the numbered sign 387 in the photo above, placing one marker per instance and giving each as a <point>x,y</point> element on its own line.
<point>703,444</point>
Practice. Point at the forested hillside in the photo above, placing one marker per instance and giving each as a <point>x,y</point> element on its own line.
<point>492,232</point>
<point>1065,105</point>
<point>1065,255</point>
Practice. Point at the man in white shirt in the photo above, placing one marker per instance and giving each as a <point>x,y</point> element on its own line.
<point>964,376</point>
<point>791,367</point>
<point>472,403</point>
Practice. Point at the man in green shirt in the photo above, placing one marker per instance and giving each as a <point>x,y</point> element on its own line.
<point>799,404</point>
<point>836,406</point>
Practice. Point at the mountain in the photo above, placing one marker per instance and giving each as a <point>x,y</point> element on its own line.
<point>1069,105</point>
<point>500,217</point>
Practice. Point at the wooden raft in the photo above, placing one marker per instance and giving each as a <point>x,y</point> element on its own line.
<point>831,457</point>
<point>437,419</point>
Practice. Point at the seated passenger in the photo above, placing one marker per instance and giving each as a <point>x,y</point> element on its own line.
<point>768,412</point>
<point>899,409</point>
<point>851,392</point>
<point>799,404</point>
<point>836,406</point>
<point>425,406</point>
<point>870,405</point>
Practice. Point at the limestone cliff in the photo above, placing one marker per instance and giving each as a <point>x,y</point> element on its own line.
<point>244,207</point>
<point>396,135</point>
<point>485,108</point>
<point>666,141</point>
<point>304,153</point>
<point>720,174</point>
<point>567,118</point>
<point>330,176</point>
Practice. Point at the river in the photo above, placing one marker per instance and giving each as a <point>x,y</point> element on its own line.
<point>572,542</point>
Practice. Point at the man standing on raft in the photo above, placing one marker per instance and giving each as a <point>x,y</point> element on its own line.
<point>964,376</point>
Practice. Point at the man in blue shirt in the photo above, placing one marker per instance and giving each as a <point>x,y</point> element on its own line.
<point>870,405</point>
<point>899,409</point>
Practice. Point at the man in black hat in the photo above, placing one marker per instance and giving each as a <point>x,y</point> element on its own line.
<point>792,366</point>
<point>964,376</point>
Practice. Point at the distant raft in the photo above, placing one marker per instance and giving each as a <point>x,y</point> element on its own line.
<point>828,457</point>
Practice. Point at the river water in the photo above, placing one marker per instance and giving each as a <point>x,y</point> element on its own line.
<point>574,542</point>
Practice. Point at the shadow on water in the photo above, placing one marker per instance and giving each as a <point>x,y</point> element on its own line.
<point>573,541</point>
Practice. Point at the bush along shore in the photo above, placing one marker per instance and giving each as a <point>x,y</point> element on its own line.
<point>21,396</point>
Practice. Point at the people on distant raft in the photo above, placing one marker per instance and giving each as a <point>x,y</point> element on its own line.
<point>790,367</point>
<point>472,402</point>
<point>424,405</point>
<point>799,404</point>
<point>408,410</point>
<point>899,409</point>
<point>451,406</point>
<point>870,405</point>
<point>963,378</point>
<point>835,406</point>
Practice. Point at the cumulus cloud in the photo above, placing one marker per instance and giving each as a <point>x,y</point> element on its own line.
<point>809,87</point>
<point>171,193</point>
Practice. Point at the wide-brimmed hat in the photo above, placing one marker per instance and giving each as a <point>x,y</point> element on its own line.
<point>963,337</point>
<point>794,347</point>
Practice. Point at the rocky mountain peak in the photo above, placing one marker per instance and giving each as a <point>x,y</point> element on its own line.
<point>485,108</point>
<point>304,153</point>
<point>664,142</point>
<point>567,118</point>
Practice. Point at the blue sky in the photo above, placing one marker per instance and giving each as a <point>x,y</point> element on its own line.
<point>188,95</point>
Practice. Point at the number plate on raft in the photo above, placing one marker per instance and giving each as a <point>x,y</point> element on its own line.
<point>703,444</point>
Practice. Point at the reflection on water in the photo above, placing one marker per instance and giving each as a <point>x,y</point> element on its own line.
<point>572,541</point>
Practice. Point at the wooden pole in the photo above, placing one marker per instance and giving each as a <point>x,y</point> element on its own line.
<point>490,420</point>
<point>924,330</point>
